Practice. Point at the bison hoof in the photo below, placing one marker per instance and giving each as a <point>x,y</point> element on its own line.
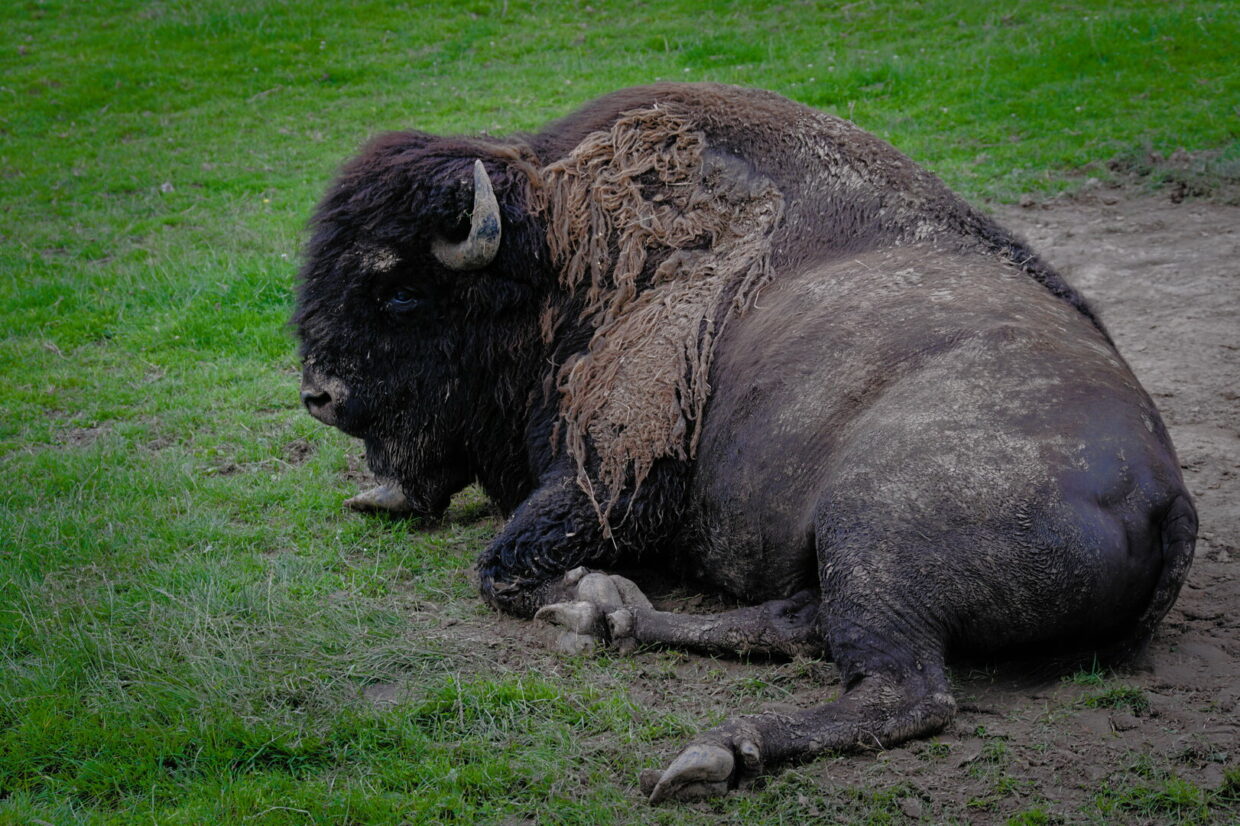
<point>702,770</point>
<point>599,611</point>
<point>580,617</point>
<point>383,499</point>
<point>572,643</point>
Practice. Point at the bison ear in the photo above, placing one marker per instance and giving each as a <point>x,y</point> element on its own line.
<point>481,245</point>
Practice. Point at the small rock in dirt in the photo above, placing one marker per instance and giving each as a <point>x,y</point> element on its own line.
<point>912,807</point>
<point>1097,722</point>
<point>968,755</point>
<point>1202,612</point>
<point>1095,771</point>
<point>1122,721</point>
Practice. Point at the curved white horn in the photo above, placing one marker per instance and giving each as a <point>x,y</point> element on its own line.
<point>479,249</point>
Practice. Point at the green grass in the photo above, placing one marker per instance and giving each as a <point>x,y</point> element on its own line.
<point>1163,799</point>
<point>1123,696</point>
<point>188,621</point>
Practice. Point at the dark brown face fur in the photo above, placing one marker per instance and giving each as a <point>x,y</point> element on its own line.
<point>397,350</point>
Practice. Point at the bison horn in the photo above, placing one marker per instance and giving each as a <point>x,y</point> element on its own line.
<point>479,249</point>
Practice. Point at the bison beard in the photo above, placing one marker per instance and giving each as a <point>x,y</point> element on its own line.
<point>709,330</point>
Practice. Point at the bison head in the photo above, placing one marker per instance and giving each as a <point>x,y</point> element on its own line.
<point>418,310</point>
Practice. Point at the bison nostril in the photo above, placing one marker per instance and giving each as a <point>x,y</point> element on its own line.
<point>315,399</point>
<point>325,397</point>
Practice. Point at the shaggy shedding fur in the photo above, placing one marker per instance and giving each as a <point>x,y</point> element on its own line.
<point>668,242</point>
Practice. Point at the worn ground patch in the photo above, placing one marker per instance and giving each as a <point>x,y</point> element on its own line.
<point>1153,743</point>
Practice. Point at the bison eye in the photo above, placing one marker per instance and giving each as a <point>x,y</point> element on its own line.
<point>403,300</point>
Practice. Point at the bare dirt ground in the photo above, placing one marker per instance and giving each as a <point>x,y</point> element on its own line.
<point>1166,279</point>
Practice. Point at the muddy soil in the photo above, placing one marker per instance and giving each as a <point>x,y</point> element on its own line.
<point>1166,279</point>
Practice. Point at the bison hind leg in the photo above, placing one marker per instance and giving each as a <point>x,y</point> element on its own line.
<point>890,697</point>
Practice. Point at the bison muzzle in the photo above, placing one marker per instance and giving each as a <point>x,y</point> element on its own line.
<point>709,330</point>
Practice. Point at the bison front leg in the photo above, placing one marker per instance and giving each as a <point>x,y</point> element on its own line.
<point>782,627</point>
<point>604,608</point>
<point>534,561</point>
<point>612,609</point>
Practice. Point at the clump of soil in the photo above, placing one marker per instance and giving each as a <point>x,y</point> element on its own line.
<point>1182,174</point>
<point>298,451</point>
<point>83,436</point>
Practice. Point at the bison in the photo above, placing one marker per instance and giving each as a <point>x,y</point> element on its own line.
<point>708,330</point>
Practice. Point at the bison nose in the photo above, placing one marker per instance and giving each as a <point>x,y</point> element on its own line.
<point>315,398</point>
<point>323,398</point>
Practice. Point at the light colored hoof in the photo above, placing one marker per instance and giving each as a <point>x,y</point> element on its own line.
<point>620,624</point>
<point>601,611</point>
<point>701,770</point>
<point>574,576</point>
<point>572,643</point>
<point>600,590</point>
<point>580,617</point>
<point>383,498</point>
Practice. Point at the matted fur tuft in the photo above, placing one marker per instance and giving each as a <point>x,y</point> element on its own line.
<point>663,241</point>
